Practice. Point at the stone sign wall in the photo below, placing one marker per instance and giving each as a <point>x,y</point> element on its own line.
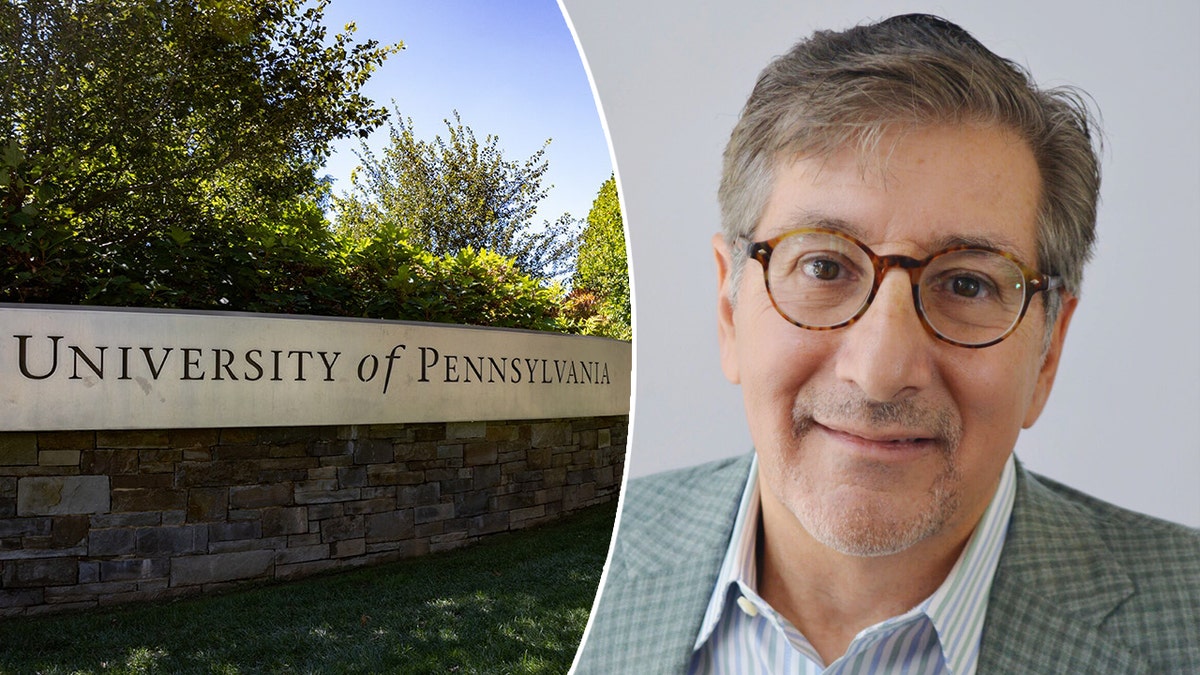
<point>92,518</point>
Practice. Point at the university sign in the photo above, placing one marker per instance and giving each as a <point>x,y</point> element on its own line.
<point>64,368</point>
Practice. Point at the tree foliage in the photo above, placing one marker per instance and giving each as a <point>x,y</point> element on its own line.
<point>600,295</point>
<point>164,153</point>
<point>457,193</point>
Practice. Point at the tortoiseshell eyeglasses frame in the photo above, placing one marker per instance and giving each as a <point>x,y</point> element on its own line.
<point>1034,280</point>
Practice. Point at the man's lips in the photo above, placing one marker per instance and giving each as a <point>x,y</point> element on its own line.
<point>889,431</point>
<point>896,438</point>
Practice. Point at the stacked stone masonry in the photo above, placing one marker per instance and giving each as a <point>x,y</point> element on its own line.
<point>98,518</point>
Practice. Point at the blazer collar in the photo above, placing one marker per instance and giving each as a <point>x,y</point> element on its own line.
<point>1055,585</point>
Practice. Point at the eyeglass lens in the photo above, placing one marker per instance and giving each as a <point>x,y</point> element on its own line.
<point>821,280</point>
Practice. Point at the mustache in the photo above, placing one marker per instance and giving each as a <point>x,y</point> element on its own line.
<point>938,423</point>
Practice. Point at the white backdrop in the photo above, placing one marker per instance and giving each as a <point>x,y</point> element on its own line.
<point>1123,422</point>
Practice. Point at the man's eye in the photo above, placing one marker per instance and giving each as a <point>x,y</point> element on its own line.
<point>825,270</point>
<point>966,287</point>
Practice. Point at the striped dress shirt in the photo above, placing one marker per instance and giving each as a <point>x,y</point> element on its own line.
<point>742,634</point>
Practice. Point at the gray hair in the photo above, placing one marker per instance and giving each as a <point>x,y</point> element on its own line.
<point>850,88</point>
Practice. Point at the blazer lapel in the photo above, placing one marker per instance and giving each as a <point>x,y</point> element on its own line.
<point>1055,584</point>
<point>672,606</point>
<point>664,570</point>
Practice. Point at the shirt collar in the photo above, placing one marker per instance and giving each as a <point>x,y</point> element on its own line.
<point>956,609</point>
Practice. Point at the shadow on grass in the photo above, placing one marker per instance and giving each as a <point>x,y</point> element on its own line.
<point>517,603</point>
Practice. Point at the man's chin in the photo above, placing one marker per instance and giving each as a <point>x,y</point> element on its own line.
<point>872,528</point>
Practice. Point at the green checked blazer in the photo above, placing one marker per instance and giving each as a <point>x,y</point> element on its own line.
<point>1082,586</point>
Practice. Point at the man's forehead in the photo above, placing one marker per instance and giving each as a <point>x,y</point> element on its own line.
<point>984,202</point>
<point>873,146</point>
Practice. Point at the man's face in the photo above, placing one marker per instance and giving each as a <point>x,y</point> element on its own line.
<point>878,436</point>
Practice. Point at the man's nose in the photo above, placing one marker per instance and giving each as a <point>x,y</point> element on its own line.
<point>887,353</point>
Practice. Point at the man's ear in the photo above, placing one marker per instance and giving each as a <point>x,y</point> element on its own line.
<point>726,335</point>
<point>1045,380</point>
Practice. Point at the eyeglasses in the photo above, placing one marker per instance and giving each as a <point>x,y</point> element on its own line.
<point>968,296</point>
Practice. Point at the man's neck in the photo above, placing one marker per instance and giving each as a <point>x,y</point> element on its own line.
<point>830,596</point>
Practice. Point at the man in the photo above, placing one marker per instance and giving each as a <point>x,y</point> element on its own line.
<point>918,214</point>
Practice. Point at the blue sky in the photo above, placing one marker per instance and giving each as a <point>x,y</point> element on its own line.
<point>509,67</point>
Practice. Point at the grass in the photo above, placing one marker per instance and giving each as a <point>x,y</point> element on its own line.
<point>517,603</point>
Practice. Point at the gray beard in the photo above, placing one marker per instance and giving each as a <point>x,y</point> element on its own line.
<point>863,530</point>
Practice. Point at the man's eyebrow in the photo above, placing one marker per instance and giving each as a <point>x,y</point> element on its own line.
<point>803,219</point>
<point>978,241</point>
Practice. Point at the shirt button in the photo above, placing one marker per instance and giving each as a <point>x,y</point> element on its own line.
<point>746,606</point>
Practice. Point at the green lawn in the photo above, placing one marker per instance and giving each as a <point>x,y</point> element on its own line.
<point>517,603</point>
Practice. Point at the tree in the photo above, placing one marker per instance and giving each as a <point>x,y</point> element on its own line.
<point>601,281</point>
<point>165,153</point>
<point>455,193</point>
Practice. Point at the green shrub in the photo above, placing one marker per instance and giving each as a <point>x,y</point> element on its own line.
<point>390,278</point>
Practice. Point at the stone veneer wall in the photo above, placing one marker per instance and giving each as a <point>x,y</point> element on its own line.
<point>105,517</point>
